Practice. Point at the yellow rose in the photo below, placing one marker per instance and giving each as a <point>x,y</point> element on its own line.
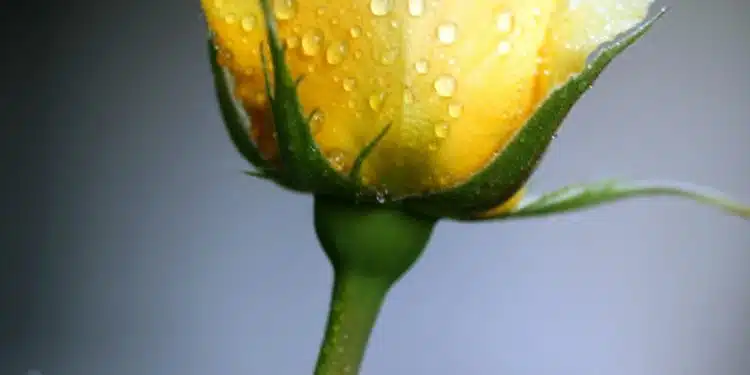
<point>396,114</point>
<point>454,81</point>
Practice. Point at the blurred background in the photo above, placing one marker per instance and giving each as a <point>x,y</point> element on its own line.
<point>132,244</point>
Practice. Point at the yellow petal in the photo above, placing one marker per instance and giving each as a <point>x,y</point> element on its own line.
<point>577,28</point>
<point>506,207</point>
<point>455,79</point>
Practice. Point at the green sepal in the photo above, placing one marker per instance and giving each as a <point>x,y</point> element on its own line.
<point>370,247</point>
<point>584,196</point>
<point>512,167</point>
<point>260,175</point>
<point>235,119</point>
<point>365,152</point>
<point>303,166</point>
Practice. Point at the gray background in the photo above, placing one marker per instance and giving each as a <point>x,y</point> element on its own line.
<point>132,244</point>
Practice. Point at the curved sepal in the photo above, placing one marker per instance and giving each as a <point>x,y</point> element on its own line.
<point>584,196</point>
<point>303,165</point>
<point>235,119</point>
<point>515,163</point>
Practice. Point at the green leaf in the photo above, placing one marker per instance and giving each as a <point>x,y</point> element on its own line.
<point>584,196</point>
<point>512,166</point>
<point>235,119</point>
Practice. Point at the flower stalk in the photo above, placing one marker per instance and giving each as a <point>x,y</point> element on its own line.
<point>370,248</point>
<point>354,308</point>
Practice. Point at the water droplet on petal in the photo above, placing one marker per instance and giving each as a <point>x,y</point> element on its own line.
<point>380,196</point>
<point>503,48</point>
<point>355,32</point>
<point>260,98</point>
<point>504,22</point>
<point>316,122</point>
<point>338,159</point>
<point>447,33</point>
<point>336,52</point>
<point>292,42</point>
<point>285,9</point>
<point>248,23</point>
<point>349,84</point>
<point>445,85</point>
<point>376,101</point>
<point>441,130</point>
<point>455,110</point>
<point>389,56</point>
<point>311,42</point>
<point>381,7</point>
<point>230,18</point>
<point>416,7</point>
<point>422,66</point>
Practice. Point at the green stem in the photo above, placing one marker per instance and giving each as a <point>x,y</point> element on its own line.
<point>370,248</point>
<point>355,303</point>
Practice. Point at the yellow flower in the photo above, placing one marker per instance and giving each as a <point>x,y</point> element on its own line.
<point>455,80</point>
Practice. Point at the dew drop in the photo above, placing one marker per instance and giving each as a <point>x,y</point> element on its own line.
<point>416,7</point>
<point>441,130</point>
<point>503,48</point>
<point>355,32</point>
<point>321,11</point>
<point>349,84</point>
<point>504,22</point>
<point>230,18</point>
<point>285,9</point>
<point>316,122</point>
<point>422,66</point>
<point>389,56</point>
<point>248,23</point>
<point>260,98</point>
<point>444,180</point>
<point>445,85</point>
<point>381,7</point>
<point>380,197</point>
<point>376,101</point>
<point>337,158</point>
<point>447,32</point>
<point>336,52</point>
<point>455,110</point>
<point>292,42</point>
<point>311,42</point>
